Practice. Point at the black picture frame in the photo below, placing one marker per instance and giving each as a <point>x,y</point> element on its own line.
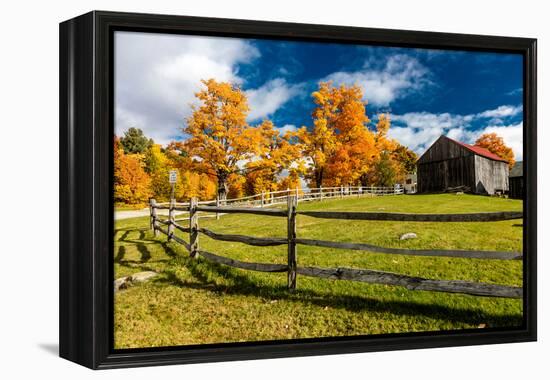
<point>86,205</point>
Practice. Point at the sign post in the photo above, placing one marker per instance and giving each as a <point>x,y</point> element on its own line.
<point>173,179</point>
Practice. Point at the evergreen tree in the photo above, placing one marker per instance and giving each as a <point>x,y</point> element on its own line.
<point>134,141</point>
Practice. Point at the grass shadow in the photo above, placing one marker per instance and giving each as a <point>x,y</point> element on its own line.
<point>168,250</point>
<point>145,246</point>
<point>120,254</point>
<point>140,245</point>
<point>242,285</point>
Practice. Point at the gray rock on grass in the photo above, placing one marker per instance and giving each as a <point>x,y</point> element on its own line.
<point>143,276</point>
<point>408,235</point>
<point>124,282</point>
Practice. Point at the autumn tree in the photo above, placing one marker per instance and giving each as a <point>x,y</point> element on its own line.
<point>339,146</point>
<point>383,142</point>
<point>394,160</point>
<point>356,150</point>
<point>291,181</point>
<point>189,184</point>
<point>158,166</point>
<point>278,154</point>
<point>236,185</point>
<point>384,171</point>
<point>219,133</point>
<point>131,182</point>
<point>352,160</point>
<point>495,144</point>
<point>406,157</point>
<point>134,141</point>
<point>192,184</point>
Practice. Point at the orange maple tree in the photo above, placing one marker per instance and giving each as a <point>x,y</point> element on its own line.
<point>131,182</point>
<point>340,146</point>
<point>495,144</point>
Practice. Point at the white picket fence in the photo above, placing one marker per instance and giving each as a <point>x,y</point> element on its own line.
<point>303,195</point>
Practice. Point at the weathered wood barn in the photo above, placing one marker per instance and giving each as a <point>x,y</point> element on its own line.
<point>449,164</point>
<point>516,181</point>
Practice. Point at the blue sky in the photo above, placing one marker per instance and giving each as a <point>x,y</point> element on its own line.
<point>426,92</point>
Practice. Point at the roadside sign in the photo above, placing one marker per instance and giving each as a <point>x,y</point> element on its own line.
<point>173,176</point>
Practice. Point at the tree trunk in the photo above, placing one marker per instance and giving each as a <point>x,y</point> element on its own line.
<point>318,178</point>
<point>222,186</point>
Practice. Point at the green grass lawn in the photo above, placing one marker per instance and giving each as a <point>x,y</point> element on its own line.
<point>195,301</point>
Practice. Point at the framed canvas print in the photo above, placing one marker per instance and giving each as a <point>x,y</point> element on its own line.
<point>238,189</point>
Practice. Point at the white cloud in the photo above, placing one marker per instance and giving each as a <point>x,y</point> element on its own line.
<point>126,119</point>
<point>418,130</point>
<point>512,136</point>
<point>268,98</point>
<point>287,128</point>
<point>515,91</point>
<point>397,78</point>
<point>157,76</point>
<point>423,128</point>
<point>502,111</point>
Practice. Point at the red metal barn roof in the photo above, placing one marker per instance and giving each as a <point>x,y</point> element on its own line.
<point>480,151</point>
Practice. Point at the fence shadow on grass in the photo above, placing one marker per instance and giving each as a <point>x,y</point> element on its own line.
<point>241,284</point>
<point>121,252</point>
<point>143,244</point>
<point>144,251</point>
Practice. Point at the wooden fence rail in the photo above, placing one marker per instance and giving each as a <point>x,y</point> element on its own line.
<point>261,242</point>
<point>499,255</point>
<point>387,216</point>
<point>362,275</point>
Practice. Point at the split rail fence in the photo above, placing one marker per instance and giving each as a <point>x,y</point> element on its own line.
<point>362,275</point>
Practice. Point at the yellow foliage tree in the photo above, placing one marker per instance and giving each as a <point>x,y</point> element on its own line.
<point>189,185</point>
<point>292,181</point>
<point>235,185</point>
<point>158,166</point>
<point>278,155</point>
<point>219,133</point>
<point>207,187</point>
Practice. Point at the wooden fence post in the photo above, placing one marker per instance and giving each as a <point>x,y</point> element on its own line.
<point>292,201</point>
<point>154,217</point>
<point>321,192</point>
<point>171,218</point>
<point>341,191</point>
<point>217,205</point>
<point>263,199</point>
<point>151,214</point>
<point>194,228</point>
